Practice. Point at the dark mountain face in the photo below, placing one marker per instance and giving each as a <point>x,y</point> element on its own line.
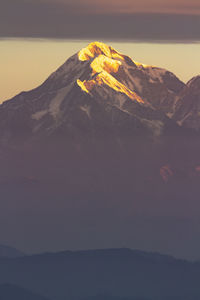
<point>120,273</point>
<point>97,141</point>
<point>187,108</point>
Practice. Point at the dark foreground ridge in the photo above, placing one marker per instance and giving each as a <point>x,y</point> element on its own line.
<point>110,274</point>
<point>6,251</point>
<point>13,292</point>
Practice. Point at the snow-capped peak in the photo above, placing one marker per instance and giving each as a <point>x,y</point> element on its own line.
<point>110,69</point>
<point>106,64</point>
<point>97,85</point>
<point>97,48</point>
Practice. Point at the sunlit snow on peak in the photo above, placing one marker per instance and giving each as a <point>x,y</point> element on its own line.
<point>97,48</point>
<point>106,79</point>
<point>104,63</point>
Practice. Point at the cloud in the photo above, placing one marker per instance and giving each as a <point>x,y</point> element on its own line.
<point>114,19</point>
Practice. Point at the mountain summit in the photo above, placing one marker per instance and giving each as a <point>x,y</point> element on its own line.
<point>106,65</point>
<point>140,82</point>
<point>98,96</point>
<point>97,87</point>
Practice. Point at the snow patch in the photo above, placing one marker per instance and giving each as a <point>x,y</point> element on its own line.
<point>152,80</point>
<point>86,109</point>
<point>39,114</point>
<point>97,48</point>
<point>54,107</point>
<point>121,100</point>
<point>138,85</point>
<point>170,115</point>
<point>155,125</point>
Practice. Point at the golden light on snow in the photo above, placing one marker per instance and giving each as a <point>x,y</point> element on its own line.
<point>105,78</point>
<point>104,63</point>
<point>98,48</point>
<point>86,86</point>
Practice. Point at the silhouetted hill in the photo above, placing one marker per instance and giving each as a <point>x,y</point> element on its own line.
<point>122,273</point>
<point>12,292</point>
<point>7,251</point>
<point>109,297</point>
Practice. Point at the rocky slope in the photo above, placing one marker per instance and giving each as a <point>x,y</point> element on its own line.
<point>187,107</point>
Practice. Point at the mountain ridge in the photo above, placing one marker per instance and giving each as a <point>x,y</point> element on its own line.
<point>126,252</point>
<point>7,251</point>
<point>101,99</point>
<point>98,66</point>
<point>130,273</point>
<point>44,105</point>
<point>10,292</point>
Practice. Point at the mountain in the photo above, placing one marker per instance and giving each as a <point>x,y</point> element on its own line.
<point>12,292</point>
<point>109,297</point>
<point>154,85</point>
<point>100,104</point>
<point>98,110</point>
<point>96,147</point>
<point>97,90</point>
<point>187,108</point>
<point>121,273</point>
<point>6,251</point>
